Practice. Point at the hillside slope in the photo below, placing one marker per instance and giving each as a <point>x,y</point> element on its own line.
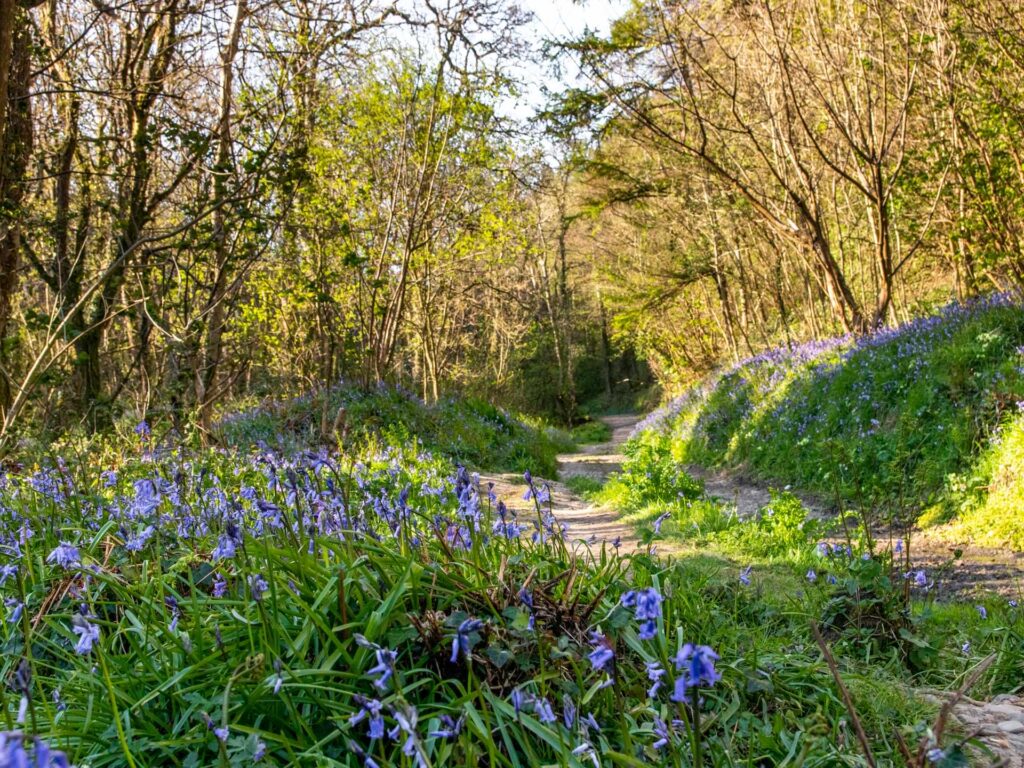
<point>923,421</point>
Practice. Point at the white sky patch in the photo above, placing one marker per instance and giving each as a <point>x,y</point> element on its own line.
<point>556,19</point>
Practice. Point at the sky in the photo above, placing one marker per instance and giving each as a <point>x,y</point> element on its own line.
<point>558,19</point>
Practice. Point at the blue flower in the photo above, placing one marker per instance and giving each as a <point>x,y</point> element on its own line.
<point>257,586</point>
<point>460,643</point>
<point>450,728</point>
<point>662,732</point>
<point>65,555</point>
<point>661,519</point>
<point>369,708</point>
<point>648,604</point>
<point>602,654</point>
<point>542,709</point>
<point>697,665</point>
<point>745,575</point>
<point>6,572</point>
<point>812,576</point>
<point>982,611</point>
<point>16,607</point>
<point>88,634</point>
<point>221,733</point>
<point>654,673</point>
<point>220,586</point>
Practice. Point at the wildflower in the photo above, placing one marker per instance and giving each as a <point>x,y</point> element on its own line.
<point>662,732</point>
<point>384,668</point>
<point>450,728</point>
<point>982,611</point>
<point>259,752</point>
<point>542,709</point>
<point>590,723</point>
<point>966,648</point>
<point>568,712</point>
<point>661,519</point>
<point>519,700</point>
<point>142,429</point>
<point>745,575</point>
<point>899,546</point>
<point>812,576</point>
<point>587,750</point>
<point>220,586</point>
<point>1012,603</point>
<point>65,555</point>
<point>936,755</point>
<point>221,733</point>
<point>460,643</point>
<point>369,708</point>
<point>697,665</point>
<point>88,634</point>
<point>617,542</point>
<point>602,654</point>
<point>654,673</point>
<point>257,586</point>
<point>6,571</point>
<point>920,578</point>
<point>16,608</point>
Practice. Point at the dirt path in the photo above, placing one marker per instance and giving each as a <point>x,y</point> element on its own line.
<point>589,523</point>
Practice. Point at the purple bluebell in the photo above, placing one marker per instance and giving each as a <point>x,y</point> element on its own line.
<point>257,586</point>
<point>660,728</point>
<point>16,608</point>
<point>88,634</point>
<point>661,519</point>
<point>982,611</point>
<point>745,575</point>
<point>696,665</point>
<point>654,673</point>
<point>65,555</point>
<point>542,709</point>
<point>369,709</point>
<point>450,727</point>
<point>602,654</point>
<point>461,641</point>
<point>382,671</point>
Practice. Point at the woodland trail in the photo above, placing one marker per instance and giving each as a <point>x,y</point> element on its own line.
<point>587,522</point>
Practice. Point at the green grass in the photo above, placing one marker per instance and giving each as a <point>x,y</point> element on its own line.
<point>592,432</point>
<point>584,485</point>
<point>282,671</point>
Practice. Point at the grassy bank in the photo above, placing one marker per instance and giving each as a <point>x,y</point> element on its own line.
<point>922,421</point>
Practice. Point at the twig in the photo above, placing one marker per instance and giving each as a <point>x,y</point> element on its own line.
<point>857,727</point>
